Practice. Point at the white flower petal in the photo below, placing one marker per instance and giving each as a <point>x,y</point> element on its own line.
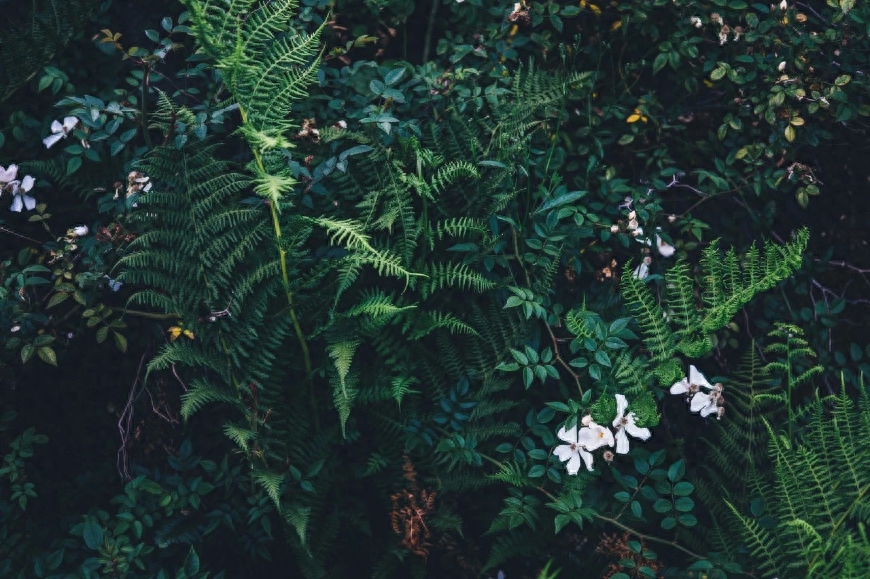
<point>665,248</point>
<point>621,442</point>
<point>29,202</point>
<point>709,409</point>
<point>69,123</point>
<point>569,436</point>
<point>17,204</point>
<point>621,405</point>
<point>80,230</point>
<point>635,430</point>
<point>594,437</point>
<point>573,464</point>
<point>563,452</point>
<point>641,271</point>
<point>680,387</point>
<point>587,458</point>
<point>699,402</point>
<point>53,138</point>
<point>27,183</point>
<point>56,127</point>
<point>7,175</point>
<point>698,379</point>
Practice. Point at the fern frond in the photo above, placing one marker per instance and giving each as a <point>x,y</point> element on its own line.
<point>650,316</point>
<point>729,283</point>
<point>454,275</point>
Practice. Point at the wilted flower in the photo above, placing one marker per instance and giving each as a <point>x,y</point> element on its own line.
<point>309,131</point>
<point>626,425</point>
<point>59,131</point>
<point>136,183</point>
<point>77,231</point>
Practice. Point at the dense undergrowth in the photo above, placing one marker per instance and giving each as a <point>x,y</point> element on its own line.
<point>409,289</point>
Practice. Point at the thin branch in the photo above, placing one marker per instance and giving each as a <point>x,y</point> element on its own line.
<point>651,538</point>
<point>561,361</point>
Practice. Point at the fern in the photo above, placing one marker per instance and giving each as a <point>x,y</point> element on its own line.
<point>814,515</point>
<point>727,284</point>
<point>795,515</point>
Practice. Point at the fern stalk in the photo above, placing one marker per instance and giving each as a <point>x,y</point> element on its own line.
<point>282,255</point>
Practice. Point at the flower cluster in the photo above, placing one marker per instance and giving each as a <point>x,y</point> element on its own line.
<point>136,183</point>
<point>581,442</point>
<point>9,183</point>
<point>698,400</point>
<point>633,228</point>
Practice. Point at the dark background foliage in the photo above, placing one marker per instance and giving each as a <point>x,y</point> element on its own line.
<point>675,159</point>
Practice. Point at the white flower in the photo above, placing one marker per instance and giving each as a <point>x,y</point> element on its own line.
<point>665,248</point>
<point>580,444</point>
<point>781,66</point>
<point>783,5</point>
<point>22,199</point>
<point>626,425</point>
<point>696,22</point>
<point>114,284</point>
<point>642,270</point>
<point>701,402</point>
<point>614,228</point>
<point>78,231</point>
<point>60,131</point>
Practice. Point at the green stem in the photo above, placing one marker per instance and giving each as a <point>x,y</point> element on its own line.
<point>650,538</point>
<point>141,314</point>
<point>427,42</point>
<point>145,109</point>
<point>282,255</point>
